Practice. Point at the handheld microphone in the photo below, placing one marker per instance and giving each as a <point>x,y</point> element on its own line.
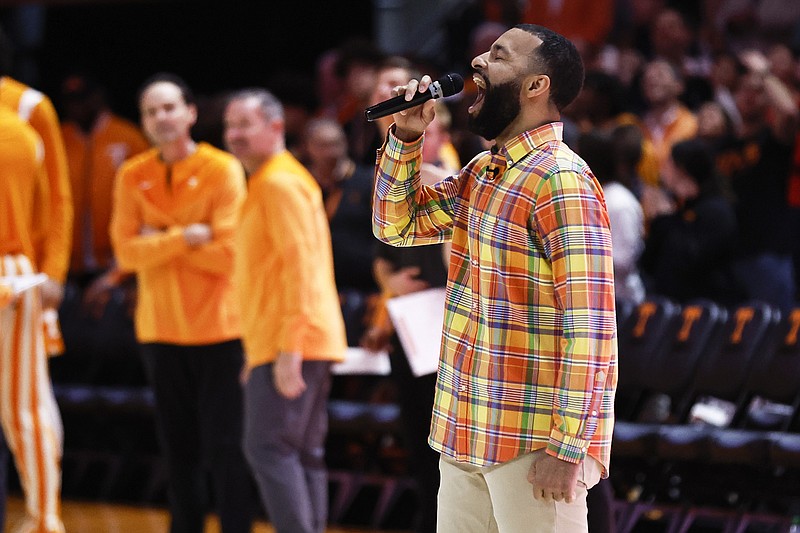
<point>447,85</point>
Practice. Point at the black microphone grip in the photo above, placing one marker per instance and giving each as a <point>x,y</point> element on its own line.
<point>447,85</point>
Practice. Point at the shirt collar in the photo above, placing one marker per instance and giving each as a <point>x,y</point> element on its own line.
<point>527,141</point>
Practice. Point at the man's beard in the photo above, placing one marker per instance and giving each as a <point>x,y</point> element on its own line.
<point>500,108</point>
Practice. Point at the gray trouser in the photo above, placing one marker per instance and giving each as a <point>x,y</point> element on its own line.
<point>284,441</point>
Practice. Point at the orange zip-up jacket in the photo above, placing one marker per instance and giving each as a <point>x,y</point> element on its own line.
<point>284,267</point>
<point>21,199</point>
<point>93,162</point>
<point>54,231</point>
<point>186,295</point>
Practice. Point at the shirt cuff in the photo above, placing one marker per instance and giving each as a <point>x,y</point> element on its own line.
<point>566,447</point>
<point>399,150</point>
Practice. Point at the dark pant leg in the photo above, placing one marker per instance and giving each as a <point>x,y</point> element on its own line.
<point>171,375</point>
<point>284,444</point>
<point>600,504</point>
<point>221,408</point>
<point>312,455</point>
<point>3,478</point>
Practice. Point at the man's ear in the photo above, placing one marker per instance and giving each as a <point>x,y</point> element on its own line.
<point>537,85</point>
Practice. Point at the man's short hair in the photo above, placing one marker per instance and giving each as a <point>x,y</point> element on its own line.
<point>558,58</point>
<point>269,104</point>
<point>167,77</point>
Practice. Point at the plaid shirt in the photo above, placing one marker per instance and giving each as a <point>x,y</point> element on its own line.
<point>529,351</point>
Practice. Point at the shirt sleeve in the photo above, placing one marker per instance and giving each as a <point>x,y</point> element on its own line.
<point>217,256</point>
<point>292,222</point>
<point>136,252</point>
<point>571,218</point>
<point>405,212</point>
<point>53,242</point>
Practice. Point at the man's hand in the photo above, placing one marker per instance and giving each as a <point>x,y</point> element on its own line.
<point>197,234</point>
<point>376,338</point>
<point>553,479</point>
<point>98,294</point>
<point>411,123</point>
<point>288,375</point>
<point>52,293</point>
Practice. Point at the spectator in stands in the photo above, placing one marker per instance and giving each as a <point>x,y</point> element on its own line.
<point>364,138</point>
<point>713,125</point>
<point>689,250</point>
<point>666,120</point>
<point>511,214</point>
<point>97,142</point>
<point>347,194</point>
<point>356,68</point>
<point>606,156</point>
<point>291,319</point>
<point>176,208</point>
<point>725,73</point>
<point>35,238</point>
<point>346,191</point>
<point>758,163</point>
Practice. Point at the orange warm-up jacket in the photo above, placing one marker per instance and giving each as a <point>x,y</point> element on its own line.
<point>53,234</point>
<point>93,162</point>
<point>186,295</point>
<point>284,267</point>
<point>24,189</point>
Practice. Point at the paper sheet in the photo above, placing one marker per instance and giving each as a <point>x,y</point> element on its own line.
<point>418,319</point>
<point>361,361</point>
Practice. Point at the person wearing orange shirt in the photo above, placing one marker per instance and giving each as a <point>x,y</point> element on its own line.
<point>29,415</point>
<point>666,120</point>
<point>97,142</point>
<point>292,324</point>
<point>175,212</point>
<point>53,237</point>
<point>95,324</point>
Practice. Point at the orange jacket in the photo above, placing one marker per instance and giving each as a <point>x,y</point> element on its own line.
<point>23,187</point>
<point>54,231</point>
<point>93,161</point>
<point>284,267</point>
<point>186,295</point>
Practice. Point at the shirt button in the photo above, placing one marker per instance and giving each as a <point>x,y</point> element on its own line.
<point>462,388</point>
<point>583,450</point>
<point>594,413</point>
<point>600,376</point>
<point>475,262</point>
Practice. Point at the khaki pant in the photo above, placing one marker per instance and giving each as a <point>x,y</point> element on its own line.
<point>499,499</point>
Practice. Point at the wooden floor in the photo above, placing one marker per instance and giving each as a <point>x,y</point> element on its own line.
<point>82,517</point>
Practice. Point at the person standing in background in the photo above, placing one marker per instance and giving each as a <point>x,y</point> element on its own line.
<point>176,208</point>
<point>292,324</point>
<point>97,142</point>
<point>50,242</point>
<point>28,412</point>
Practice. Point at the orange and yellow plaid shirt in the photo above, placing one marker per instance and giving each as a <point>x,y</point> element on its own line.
<point>529,348</point>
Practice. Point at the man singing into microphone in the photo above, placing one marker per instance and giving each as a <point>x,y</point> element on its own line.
<point>525,391</point>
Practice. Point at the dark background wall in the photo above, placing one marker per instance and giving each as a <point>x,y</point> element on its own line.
<point>215,46</point>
